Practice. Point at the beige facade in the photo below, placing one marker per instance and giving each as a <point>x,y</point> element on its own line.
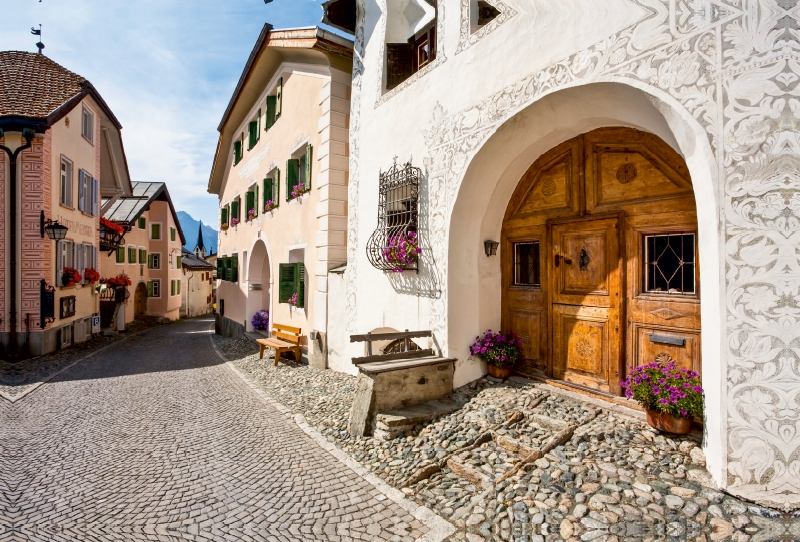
<point>310,72</point>
<point>150,255</point>
<point>197,289</point>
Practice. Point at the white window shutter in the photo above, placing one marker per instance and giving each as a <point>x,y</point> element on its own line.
<point>95,196</point>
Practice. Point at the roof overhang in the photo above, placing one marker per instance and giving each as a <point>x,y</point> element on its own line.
<point>340,14</point>
<point>312,46</point>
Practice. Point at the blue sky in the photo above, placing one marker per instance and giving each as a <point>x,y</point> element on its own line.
<point>167,69</point>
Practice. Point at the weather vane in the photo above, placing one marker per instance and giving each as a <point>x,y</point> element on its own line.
<point>38,32</point>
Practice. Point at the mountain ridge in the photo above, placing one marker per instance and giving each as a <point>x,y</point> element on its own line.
<point>189,226</point>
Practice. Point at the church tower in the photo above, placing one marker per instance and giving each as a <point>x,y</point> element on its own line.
<point>200,249</point>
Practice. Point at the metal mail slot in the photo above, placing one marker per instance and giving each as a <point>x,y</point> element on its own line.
<point>662,339</point>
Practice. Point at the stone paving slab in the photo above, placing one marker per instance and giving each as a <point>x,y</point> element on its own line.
<point>157,439</point>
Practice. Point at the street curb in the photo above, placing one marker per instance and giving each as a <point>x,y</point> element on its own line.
<point>439,528</point>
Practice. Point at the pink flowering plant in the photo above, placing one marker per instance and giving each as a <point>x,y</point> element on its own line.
<point>234,221</point>
<point>269,205</point>
<point>666,389</point>
<point>293,300</point>
<point>402,250</point>
<point>498,349</point>
<point>251,214</point>
<point>298,190</point>
<point>224,226</point>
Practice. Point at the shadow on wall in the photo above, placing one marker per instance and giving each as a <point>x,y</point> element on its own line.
<point>426,282</point>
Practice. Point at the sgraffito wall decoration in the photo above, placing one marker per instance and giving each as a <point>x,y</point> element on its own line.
<point>734,66</point>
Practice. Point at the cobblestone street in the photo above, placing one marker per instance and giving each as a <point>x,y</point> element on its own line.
<point>157,439</point>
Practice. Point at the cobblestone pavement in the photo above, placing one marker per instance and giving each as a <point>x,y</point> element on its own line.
<point>157,439</point>
<point>608,476</point>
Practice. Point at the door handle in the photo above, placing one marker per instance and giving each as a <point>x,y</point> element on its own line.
<point>557,259</point>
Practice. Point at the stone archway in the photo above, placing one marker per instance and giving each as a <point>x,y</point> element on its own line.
<point>258,281</point>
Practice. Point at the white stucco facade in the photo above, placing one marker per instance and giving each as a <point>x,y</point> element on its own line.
<point>715,80</point>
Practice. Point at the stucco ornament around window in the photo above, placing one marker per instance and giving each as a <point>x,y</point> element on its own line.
<point>733,66</point>
<point>383,97</point>
<point>466,37</point>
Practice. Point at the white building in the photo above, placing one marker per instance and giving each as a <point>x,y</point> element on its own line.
<point>579,135</point>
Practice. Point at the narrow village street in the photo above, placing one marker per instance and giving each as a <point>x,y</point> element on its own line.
<point>157,439</point>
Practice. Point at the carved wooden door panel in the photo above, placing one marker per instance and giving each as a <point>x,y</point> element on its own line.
<point>586,274</point>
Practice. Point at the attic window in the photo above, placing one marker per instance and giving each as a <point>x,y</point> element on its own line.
<point>484,12</point>
<point>410,38</point>
<point>274,105</point>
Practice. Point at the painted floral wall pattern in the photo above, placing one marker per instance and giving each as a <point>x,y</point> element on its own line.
<point>734,65</point>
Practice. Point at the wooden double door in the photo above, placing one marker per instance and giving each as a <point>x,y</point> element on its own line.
<point>600,260</point>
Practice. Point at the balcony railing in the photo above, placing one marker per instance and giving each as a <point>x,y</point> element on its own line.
<point>112,236</point>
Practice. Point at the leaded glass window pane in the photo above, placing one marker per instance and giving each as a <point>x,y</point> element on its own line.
<point>526,264</point>
<point>670,263</point>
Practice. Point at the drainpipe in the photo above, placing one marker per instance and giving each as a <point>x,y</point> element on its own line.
<point>13,347</point>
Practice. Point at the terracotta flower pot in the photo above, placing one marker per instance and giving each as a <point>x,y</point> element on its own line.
<point>499,372</point>
<point>669,423</point>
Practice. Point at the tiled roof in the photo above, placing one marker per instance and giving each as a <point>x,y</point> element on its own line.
<point>190,261</point>
<point>32,85</point>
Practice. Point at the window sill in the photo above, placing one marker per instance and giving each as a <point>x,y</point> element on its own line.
<point>66,206</point>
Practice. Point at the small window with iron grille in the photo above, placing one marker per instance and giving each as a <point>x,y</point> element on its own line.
<point>390,246</point>
<point>526,264</point>
<point>670,263</point>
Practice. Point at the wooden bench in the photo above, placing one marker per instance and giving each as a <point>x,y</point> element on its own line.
<point>284,339</point>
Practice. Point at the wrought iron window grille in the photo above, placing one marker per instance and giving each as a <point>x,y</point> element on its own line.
<point>398,205</point>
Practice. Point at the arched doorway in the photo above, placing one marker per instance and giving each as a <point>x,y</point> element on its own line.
<point>258,283</point>
<point>599,260</point>
<point>140,300</point>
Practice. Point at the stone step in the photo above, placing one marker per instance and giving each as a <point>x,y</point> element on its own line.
<point>394,422</point>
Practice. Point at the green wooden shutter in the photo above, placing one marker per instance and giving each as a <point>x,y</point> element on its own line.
<point>149,288</point>
<point>279,99</point>
<point>292,174</point>
<point>178,286</point>
<point>220,268</point>
<point>179,262</point>
<point>131,255</point>
<point>237,152</point>
<point>309,152</point>
<point>235,268</point>
<point>277,187</point>
<point>252,134</point>
<point>248,202</point>
<point>300,288</point>
<point>286,281</point>
<point>172,234</point>
<point>258,128</point>
<point>267,190</point>
<point>142,223</point>
<point>228,269</point>
<point>150,261</point>
<point>255,199</point>
<point>224,212</point>
<point>121,255</point>
<point>234,209</point>
<point>172,287</point>
<point>271,104</point>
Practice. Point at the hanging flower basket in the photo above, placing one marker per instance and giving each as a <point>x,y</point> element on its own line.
<point>70,277</point>
<point>298,190</point>
<point>270,205</point>
<point>261,320</point>
<point>91,275</point>
<point>111,226</point>
<point>402,251</point>
<point>119,280</point>
<point>670,395</point>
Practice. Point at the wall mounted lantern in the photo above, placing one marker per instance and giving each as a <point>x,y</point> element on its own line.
<point>54,230</point>
<point>490,247</point>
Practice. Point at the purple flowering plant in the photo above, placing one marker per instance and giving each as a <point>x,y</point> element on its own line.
<point>666,389</point>
<point>251,214</point>
<point>234,221</point>
<point>298,190</point>
<point>261,320</point>
<point>498,349</point>
<point>293,300</point>
<point>401,250</point>
<point>269,205</point>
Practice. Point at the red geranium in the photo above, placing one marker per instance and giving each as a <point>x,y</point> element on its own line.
<point>70,276</point>
<point>113,226</point>
<point>91,275</point>
<point>119,280</point>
